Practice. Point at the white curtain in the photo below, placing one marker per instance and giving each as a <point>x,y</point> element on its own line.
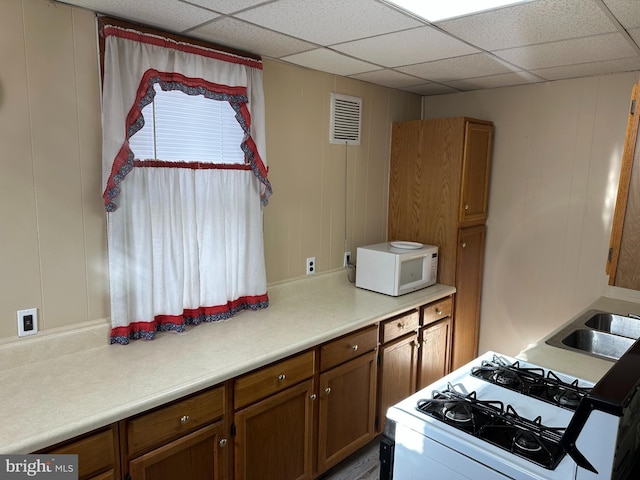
<point>185,239</point>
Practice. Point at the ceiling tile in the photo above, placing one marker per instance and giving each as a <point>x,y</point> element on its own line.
<point>530,23</point>
<point>568,52</point>
<point>327,60</point>
<point>430,89</point>
<point>626,11</point>
<point>468,66</point>
<point>226,6</point>
<point>495,81</point>
<point>326,22</point>
<point>174,16</point>
<point>388,78</point>
<point>245,36</point>
<point>406,47</point>
<point>590,69</point>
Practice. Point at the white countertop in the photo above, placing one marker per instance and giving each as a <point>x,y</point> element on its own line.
<point>62,384</point>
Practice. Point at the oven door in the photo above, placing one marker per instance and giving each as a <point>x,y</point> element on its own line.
<point>417,457</point>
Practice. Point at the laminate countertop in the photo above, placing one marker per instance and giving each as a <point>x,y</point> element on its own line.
<point>57,385</point>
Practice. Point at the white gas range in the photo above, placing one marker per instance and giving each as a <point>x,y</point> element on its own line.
<point>502,418</point>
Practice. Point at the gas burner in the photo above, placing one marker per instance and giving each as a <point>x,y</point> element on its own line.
<point>567,398</point>
<point>506,377</point>
<point>457,411</point>
<point>527,442</point>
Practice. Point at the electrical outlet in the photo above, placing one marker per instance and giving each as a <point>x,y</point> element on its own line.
<point>347,259</point>
<point>311,265</point>
<point>27,322</point>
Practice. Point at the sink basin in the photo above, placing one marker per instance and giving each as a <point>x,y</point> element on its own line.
<point>599,334</point>
<point>598,343</point>
<point>616,324</point>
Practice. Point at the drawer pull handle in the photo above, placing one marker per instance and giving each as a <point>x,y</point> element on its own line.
<point>327,390</point>
<point>416,344</point>
<point>223,442</point>
<point>354,348</point>
<point>184,419</point>
<point>464,244</point>
<point>466,207</point>
<point>282,377</point>
<point>438,311</point>
<point>401,326</point>
<point>313,396</point>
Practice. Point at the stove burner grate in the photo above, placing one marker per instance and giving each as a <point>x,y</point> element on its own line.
<point>492,422</point>
<point>534,382</point>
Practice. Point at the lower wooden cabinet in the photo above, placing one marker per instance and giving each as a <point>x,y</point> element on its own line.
<point>347,409</point>
<point>435,352</point>
<point>185,439</point>
<point>98,456</point>
<point>194,456</point>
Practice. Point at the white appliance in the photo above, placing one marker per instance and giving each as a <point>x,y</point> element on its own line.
<point>396,268</point>
<point>499,418</point>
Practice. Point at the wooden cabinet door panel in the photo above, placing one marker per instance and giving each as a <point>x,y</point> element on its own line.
<point>435,352</point>
<point>475,173</point>
<point>273,437</point>
<point>468,291</point>
<point>192,457</point>
<point>347,409</point>
<point>396,373</point>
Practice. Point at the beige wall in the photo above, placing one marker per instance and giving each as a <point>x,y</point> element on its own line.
<point>52,232</point>
<point>554,181</point>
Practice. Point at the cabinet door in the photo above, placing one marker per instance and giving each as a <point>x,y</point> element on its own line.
<point>396,373</point>
<point>347,409</point>
<point>468,290</point>
<point>273,436</point>
<point>193,457</point>
<point>435,352</point>
<point>475,173</point>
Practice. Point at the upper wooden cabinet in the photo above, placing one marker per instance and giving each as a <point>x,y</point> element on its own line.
<point>438,195</point>
<point>623,263</point>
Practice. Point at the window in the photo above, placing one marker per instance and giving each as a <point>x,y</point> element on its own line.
<point>188,128</point>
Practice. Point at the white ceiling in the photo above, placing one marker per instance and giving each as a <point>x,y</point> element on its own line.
<point>374,42</point>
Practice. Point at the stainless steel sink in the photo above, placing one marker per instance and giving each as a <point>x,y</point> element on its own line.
<point>598,343</point>
<point>599,334</point>
<point>616,324</point>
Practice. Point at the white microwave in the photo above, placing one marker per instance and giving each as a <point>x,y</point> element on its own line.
<point>396,268</point>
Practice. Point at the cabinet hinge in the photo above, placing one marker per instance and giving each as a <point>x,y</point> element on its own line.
<point>633,107</point>
<point>232,430</point>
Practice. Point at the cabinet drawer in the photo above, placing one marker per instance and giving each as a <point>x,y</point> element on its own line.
<point>396,327</point>
<point>96,453</point>
<point>171,421</point>
<point>348,347</point>
<point>437,310</point>
<point>273,378</point>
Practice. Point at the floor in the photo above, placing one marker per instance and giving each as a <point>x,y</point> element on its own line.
<point>362,465</point>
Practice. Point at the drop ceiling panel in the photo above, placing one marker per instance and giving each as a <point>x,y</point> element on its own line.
<point>226,6</point>
<point>468,66</point>
<point>329,61</point>
<point>627,12</point>
<point>245,36</point>
<point>589,69</point>
<point>173,15</point>
<point>568,52</point>
<point>494,81</point>
<point>390,50</point>
<point>388,78</point>
<point>327,22</point>
<point>531,23</point>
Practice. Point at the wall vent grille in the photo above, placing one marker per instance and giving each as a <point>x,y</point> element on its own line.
<point>346,115</point>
